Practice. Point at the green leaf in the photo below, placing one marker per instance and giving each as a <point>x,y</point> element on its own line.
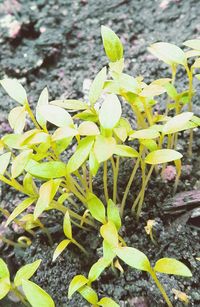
<point>193,43</point>
<point>104,148</point>
<point>168,53</point>
<point>172,266</point>
<point>113,214</point>
<point>36,295</point>
<point>67,227</point>
<point>46,194</point>
<point>77,282</point>
<point>48,170</point>
<point>87,115</point>
<point>81,154</point>
<point>151,145</point>
<point>19,163</point>
<point>17,119</point>
<point>125,151</point>
<point>19,209</point>
<point>177,123</point>
<point>89,294</point>
<point>29,184</point>
<point>4,161</point>
<point>110,234</point>
<point>98,268</point>
<point>61,145</point>
<point>152,90</point>
<point>107,302</point>
<point>13,140</point>
<point>15,90</point>
<point>162,156</point>
<point>110,106</point>
<point>60,248</point>
<point>88,128</point>
<point>97,86</point>
<point>112,44</point>
<point>4,279</point>
<point>171,91</point>
<point>148,133</point>
<point>70,104</point>
<point>93,163</point>
<point>117,67</point>
<point>96,208</point>
<point>64,132</point>
<point>55,115</point>
<point>196,63</point>
<point>134,258</point>
<point>108,252</point>
<point>42,101</point>
<point>26,272</point>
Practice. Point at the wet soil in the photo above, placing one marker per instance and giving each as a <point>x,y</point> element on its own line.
<point>57,44</point>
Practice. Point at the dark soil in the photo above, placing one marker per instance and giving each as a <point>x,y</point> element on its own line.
<point>57,43</point>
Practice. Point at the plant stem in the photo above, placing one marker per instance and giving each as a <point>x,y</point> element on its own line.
<point>115,177</point>
<point>143,167</point>
<point>84,169</point>
<point>80,246</point>
<point>123,203</point>
<point>17,186</point>
<point>148,114</point>
<point>19,295</point>
<point>190,77</point>
<point>28,109</point>
<point>105,180</point>
<point>63,209</point>
<point>90,182</point>
<point>146,182</point>
<point>160,287</point>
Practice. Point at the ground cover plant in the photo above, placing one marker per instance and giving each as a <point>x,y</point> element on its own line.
<point>33,161</point>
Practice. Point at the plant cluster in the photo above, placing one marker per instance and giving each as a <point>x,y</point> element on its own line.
<point>34,161</point>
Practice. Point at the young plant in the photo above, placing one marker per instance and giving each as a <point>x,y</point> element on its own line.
<point>31,293</point>
<point>34,161</point>
<point>114,246</point>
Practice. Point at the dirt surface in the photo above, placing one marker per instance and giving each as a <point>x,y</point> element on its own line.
<point>57,44</point>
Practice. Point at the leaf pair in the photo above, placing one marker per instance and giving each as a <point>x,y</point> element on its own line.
<point>34,294</point>
<point>80,283</point>
<point>98,212</point>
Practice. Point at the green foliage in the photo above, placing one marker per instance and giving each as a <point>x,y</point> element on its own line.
<point>32,293</point>
<point>38,162</point>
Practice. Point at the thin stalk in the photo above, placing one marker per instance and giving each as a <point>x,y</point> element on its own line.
<point>70,184</point>
<point>190,77</point>
<point>143,167</point>
<point>63,209</point>
<point>173,68</point>
<point>114,180</point>
<point>19,295</point>
<point>105,180</point>
<point>28,109</point>
<point>148,113</point>
<point>18,186</point>
<point>80,247</point>
<point>90,182</point>
<point>160,287</point>
<point>10,242</point>
<point>140,193</point>
<point>123,203</point>
<point>140,119</point>
<point>78,187</point>
<point>84,169</point>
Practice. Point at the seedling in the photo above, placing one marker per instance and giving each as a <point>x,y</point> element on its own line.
<point>32,293</point>
<point>34,161</point>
